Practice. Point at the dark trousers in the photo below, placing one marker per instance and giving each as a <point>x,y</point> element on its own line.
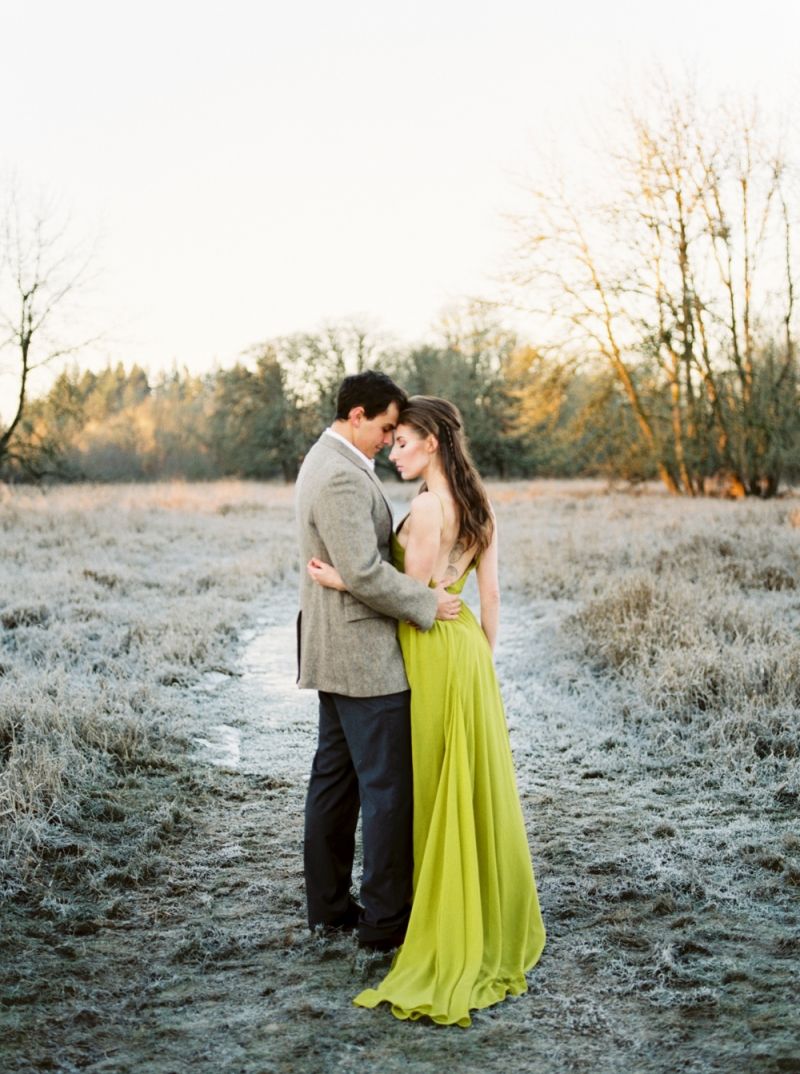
<point>363,757</point>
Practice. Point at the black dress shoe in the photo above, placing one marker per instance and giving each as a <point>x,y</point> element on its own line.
<point>384,943</point>
<point>348,922</point>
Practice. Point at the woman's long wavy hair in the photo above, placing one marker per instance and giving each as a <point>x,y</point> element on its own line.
<point>428,414</point>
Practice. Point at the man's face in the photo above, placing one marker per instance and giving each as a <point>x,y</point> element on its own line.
<point>371,435</point>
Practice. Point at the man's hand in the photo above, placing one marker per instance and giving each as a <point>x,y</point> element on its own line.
<point>448,605</point>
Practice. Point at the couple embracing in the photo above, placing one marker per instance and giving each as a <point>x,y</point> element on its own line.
<point>411,724</point>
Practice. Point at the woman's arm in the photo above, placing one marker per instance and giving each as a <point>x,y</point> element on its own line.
<point>447,606</point>
<point>424,532</point>
<point>342,514</point>
<point>489,590</point>
<point>424,527</point>
<point>326,575</point>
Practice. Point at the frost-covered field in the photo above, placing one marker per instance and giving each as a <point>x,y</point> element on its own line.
<point>154,754</point>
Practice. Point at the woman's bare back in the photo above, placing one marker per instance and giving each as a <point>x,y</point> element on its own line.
<point>454,557</point>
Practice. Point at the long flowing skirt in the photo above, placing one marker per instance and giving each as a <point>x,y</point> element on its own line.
<point>475,926</point>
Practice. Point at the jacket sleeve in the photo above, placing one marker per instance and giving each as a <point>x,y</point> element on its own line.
<point>343,517</point>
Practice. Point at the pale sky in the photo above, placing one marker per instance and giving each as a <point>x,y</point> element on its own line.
<point>253,169</point>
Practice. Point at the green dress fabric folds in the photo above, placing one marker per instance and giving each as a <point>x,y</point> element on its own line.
<point>475,926</point>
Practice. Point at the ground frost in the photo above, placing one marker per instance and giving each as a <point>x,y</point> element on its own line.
<point>163,928</point>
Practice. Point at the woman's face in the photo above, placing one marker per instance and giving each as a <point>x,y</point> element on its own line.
<point>411,452</point>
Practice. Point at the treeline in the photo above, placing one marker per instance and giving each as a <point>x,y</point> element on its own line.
<point>663,303</point>
<point>680,280</point>
<point>525,415</point>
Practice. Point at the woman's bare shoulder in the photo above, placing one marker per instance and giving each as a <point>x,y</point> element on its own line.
<point>426,503</point>
<point>426,511</point>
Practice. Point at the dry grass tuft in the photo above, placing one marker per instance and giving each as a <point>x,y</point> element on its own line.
<point>704,635</point>
<point>704,660</point>
<point>689,605</point>
<point>109,597</point>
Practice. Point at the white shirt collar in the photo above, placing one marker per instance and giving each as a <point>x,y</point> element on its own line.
<point>338,436</point>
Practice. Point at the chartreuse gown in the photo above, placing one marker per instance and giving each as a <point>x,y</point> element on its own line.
<point>475,926</point>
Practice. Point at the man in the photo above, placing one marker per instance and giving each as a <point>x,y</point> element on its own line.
<point>348,651</point>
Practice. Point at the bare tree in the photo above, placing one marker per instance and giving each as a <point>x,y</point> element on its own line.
<point>683,285</point>
<point>41,271</point>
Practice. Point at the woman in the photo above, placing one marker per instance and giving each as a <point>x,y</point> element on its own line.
<point>475,924</point>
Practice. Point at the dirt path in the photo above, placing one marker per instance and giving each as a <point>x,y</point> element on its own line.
<point>662,955</point>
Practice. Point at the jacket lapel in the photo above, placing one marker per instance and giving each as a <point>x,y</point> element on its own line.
<point>332,443</point>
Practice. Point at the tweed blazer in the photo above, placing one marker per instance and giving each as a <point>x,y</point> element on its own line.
<point>347,642</point>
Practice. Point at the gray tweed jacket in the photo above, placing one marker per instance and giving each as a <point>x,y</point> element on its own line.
<point>347,642</point>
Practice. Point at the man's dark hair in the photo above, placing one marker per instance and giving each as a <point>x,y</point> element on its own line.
<point>374,391</point>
